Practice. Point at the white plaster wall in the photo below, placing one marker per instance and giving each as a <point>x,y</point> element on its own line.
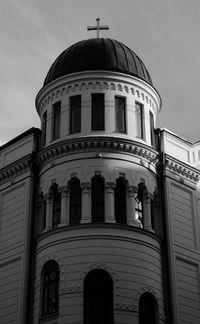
<point>131,257</point>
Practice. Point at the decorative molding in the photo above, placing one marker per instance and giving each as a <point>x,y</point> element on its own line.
<point>59,260</point>
<point>182,170</point>
<point>135,305</point>
<point>85,145</point>
<point>10,172</point>
<point>96,85</point>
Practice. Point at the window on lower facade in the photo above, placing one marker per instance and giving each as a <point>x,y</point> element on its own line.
<point>75,201</point>
<point>50,289</point>
<point>75,114</point>
<point>98,199</point>
<point>98,298</point>
<point>139,120</point>
<point>148,309</point>
<point>120,201</point>
<point>56,206</point>
<point>98,122</point>
<point>120,114</point>
<point>44,128</point>
<point>56,120</point>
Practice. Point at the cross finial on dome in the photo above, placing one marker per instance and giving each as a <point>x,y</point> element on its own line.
<point>97,27</point>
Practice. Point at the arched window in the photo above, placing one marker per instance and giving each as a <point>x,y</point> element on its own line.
<point>56,206</point>
<point>50,288</point>
<point>98,298</point>
<point>98,200</point>
<point>75,201</point>
<point>139,205</point>
<point>120,201</point>
<point>148,309</point>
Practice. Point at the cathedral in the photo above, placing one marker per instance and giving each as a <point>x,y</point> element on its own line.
<point>99,209</point>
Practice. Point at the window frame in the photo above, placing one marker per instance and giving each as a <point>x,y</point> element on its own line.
<point>46,286</point>
<point>139,132</point>
<point>56,120</point>
<point>74,183</point>
<point>152,128</point>
<point>93,119</point>
<point>44,128</point>
<point>72,127</point>
<point>118,115</point>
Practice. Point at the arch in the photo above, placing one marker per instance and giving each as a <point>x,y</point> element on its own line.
<point>148,309</point>
<point>98,199</point>
<point>98,297</point>
<point>75,201</point>
<point>56,208</point>
<point>50,288</point>
<point>120,200</point>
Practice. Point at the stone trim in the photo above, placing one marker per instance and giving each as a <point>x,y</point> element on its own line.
<point>181,170</point>
<point>112,144</point>
<point>112,85</point>
<point>16,169</point>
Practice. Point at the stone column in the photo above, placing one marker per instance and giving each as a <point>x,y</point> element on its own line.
<point>147,212</point>
<point>131,215</point>
<point>109,202</point>
<point>64,206</point>
<point>48,218</point>
<point>86,203</point>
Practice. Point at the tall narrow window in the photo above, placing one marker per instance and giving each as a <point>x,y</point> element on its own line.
<point>98,112</point>
<point>56,120</point>
<point>50,288</point>
<point>44,128</point>
<point>56,206</point>
<point>148,309</point>
<point>120,201</point>
<point>139,209</point>
<point>75,114</point>
<point>120,114</point>
<point>98,200</point>
<point>139,120</point>
<point>152,133</point>
<point>98,298</point>
<point>75,201</point>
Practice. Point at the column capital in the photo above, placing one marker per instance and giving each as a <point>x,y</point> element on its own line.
<point>110,185</point>
<point>64,190</point>
<point>85,185</point>
<point>48,197</point>
<point>132,190</point>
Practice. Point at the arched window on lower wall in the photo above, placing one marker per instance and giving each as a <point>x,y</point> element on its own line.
<point>98,199</point>
<point>148,309</point>
<point>98,298</point>
<point>75,201</point>
<point>120,201</point>
<point>50,289</point>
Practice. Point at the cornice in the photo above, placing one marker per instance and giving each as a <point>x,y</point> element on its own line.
<point>181,169</point>
<point>102,144</point>
<point>70,86</point>
<point>16,169</point>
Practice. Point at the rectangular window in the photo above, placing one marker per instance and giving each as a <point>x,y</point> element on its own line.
<point>56,120</point>
<point>75,114</point>
<point>98,112</point>
<point>139,120</point>
<point>120,113</point>
<point>152,133</point>
<point>44,128</point>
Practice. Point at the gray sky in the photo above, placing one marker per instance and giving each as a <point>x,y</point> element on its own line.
<point>165,34</point>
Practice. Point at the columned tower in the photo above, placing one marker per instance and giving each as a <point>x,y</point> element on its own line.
<point>98,251</point>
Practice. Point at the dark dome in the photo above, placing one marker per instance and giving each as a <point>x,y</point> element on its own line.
<point>98,54</point>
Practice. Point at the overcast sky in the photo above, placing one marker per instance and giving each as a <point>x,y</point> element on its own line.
<point>165,34</point>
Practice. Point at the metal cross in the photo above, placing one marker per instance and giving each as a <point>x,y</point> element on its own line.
<point>98,27</point>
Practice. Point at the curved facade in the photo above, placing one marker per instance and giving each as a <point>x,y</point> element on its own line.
<point>98,180</point>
